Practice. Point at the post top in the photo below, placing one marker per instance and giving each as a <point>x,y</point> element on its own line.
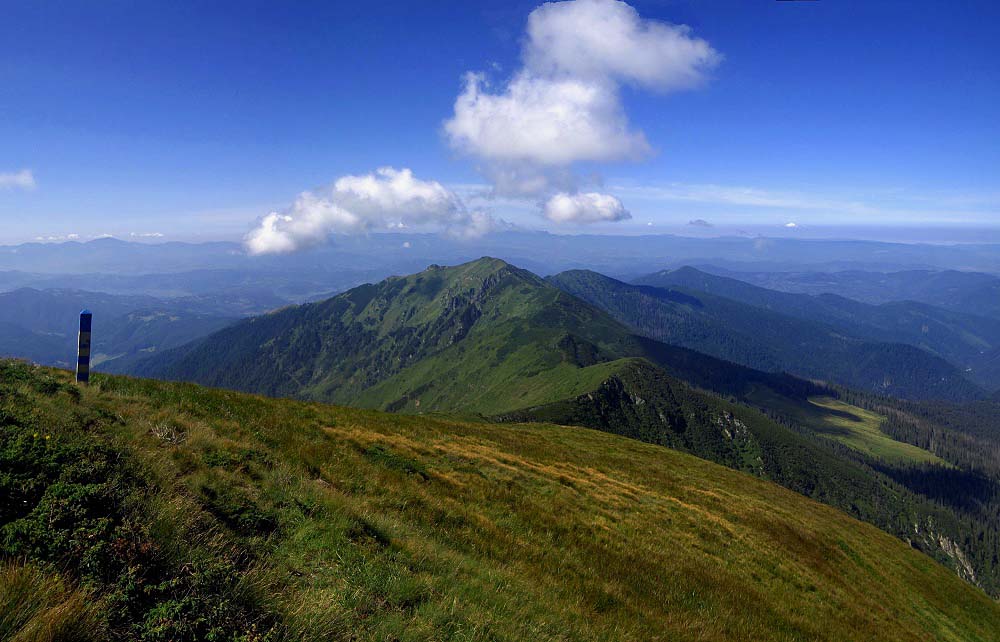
<point>85,312</point>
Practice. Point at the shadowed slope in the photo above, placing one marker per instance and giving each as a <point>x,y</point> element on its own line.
<point>767,339</point>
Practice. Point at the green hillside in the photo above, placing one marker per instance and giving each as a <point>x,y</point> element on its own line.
<point>134,509</point>
<point>483,337</point>
<point>502,324</point>
<point>767,338</point>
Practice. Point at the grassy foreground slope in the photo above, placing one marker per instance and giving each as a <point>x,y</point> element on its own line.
<point>185,513</point>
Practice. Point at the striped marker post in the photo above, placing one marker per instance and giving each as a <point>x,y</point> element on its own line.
<point>83,352</point>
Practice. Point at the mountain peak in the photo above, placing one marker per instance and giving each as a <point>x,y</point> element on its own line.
<point>483,271</point>
<point>685,269</point>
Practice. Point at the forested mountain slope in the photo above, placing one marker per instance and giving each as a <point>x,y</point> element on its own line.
<point>768,340</point>
<point>136,509</point>
<point>973,293</point>
<point>960,338</point>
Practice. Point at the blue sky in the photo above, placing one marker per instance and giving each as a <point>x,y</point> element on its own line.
<point>194,121</point>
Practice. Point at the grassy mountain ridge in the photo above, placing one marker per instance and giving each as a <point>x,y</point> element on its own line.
<point>470,338</point>
<point>202,513</point>
<point>768,340</point>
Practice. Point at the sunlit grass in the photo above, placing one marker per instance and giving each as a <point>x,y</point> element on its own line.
<point>861,430</point>
<point>39,606</point>
<point>849,425</point>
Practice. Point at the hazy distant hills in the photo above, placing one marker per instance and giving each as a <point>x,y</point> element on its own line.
<point>376,256</point>
<point>42,325</point>
<point>973,293</point>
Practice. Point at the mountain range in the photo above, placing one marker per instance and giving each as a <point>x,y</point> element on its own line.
<point>974,293</point>
<point>485,345</point>
<point>489,340</point>
<point>969,341</point>
<point>799,334</point>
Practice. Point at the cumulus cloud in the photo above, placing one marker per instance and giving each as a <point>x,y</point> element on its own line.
<point>385,198</point>
<point>146,235</point>
<point>563,106</point>
<point>57,238</point>
<point>589,207</point>
<point>601,39</point>
<point>23,179</point>
<point>543,122</point>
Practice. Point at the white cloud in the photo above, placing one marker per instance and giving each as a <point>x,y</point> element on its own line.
<point>55,238</point>
<point>875,205</point>
<point>23,179</point>
<point>384,198</point>
<point>389,192</point>
<point>146,235</point>
<point>477,224</point>
<point>526,180</point>
<point>590,207</point>
<point>791,225</point>
<point>601,39</point>
<point>563,106</point>
<point>722,194</point>
<point>542,122</point>
<point>744,196</point>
